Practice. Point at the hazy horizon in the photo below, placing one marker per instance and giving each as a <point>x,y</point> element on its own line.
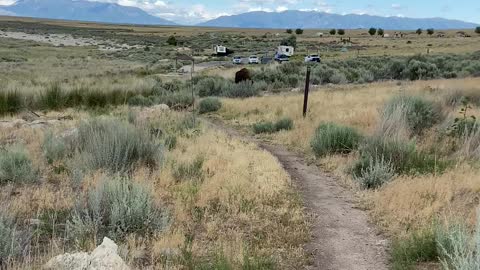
<point>188,12</point>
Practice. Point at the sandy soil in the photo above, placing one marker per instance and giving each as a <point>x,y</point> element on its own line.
<point>342,237</point>
<point>68,40</point>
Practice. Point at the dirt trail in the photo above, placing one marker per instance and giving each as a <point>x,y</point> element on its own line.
<point>342,236</point>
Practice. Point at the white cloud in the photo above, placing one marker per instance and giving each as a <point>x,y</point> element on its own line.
<point>7,2</point>
<point>396,6</point>
<point>169,10</point>
<point>281,9</point>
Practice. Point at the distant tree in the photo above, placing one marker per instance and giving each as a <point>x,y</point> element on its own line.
<point>430,31</point>
<point>372,31</point>
<point>172,41</point>
<point>290,41</point>
<point>341,32</point>
<point>333,32</point>
<point>298,31</point>
<point>477,30</point>
<point>380,32</point>
<point>419,31</point>
<point>289,31</point>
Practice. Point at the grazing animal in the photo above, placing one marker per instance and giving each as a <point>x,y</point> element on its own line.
<point>242,75</point>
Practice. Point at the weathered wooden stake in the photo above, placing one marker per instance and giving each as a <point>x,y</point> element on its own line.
<point>305,94</point>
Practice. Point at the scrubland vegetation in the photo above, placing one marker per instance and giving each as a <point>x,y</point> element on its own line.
<point>202,203</point>
<point>176,194</point>
<point>410,149</point>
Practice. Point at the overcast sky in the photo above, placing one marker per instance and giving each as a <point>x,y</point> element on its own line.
<point>191,11</point>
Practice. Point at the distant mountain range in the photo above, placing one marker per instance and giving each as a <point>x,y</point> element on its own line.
<point>81,10</point>
<point>322,20</point>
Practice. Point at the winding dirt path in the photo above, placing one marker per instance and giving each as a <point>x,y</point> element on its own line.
<point>342,237</point>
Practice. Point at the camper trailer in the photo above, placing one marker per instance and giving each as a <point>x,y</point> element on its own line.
<point>220,50</point>
<point>285,50</point>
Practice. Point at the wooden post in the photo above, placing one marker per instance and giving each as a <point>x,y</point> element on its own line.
<point>193,88</point>
<point>305,94</point>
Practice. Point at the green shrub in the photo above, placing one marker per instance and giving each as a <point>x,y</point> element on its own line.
<point>74,98</point>
<point>284,124</point>
<point>16,166</point>
<point>211,86</point>
<point>53,148</point>
<point>140,100</point>
<point>116,208</point>
<point>241,90</point>
<point>9,242</point>
<point>338,77</point>
<point>418,70</point>
<point>52,98</point>
<point>209,105</point>
<point>95,99</point>
<point>264,127</point>
<point>330,138</point>
<point>375,173</point>
<point>175,100</point>
<point>419,246</point>
<point>270,127</point>
<point>10,102</point>
<point>402,155</point>
<point>189,171</point>
<point>420,114</point>
<point>115,146</point>
<point>260,86</point>
<point>171,142</point>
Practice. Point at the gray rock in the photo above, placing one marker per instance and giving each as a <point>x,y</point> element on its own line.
<point>77,261</point>
<point>104,257</point>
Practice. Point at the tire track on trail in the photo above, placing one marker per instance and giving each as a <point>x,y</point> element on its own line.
<point>342,237</point>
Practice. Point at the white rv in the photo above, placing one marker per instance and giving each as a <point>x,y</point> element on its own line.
<point>285,50</point>
<point>219,49</point>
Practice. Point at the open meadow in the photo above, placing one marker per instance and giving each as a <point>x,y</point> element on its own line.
<point>102,136</point>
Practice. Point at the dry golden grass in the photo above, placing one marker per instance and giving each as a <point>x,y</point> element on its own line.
<point>353,105</point>
<point>245,193</point>
<point>415,202</point>
<point>407,202</point>
<point>245,206</point>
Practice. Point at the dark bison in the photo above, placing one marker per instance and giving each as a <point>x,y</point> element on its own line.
<point>242,75</point>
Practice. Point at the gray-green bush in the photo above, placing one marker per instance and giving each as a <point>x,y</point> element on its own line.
<point>330,138</point>
<point>270,127</point>
<point>16,166</point>
<point>241,90</point>
<point>458,248</point>
<point>115,208</point>
<point>9,242</point>
<point>284,124</point>
<point>115,146</point>
<point>377,173</point>
<point>420,113</point>
<point>263,127</point>
<point>53,148</point>
<point>209,105</point>
<point>402,155</point>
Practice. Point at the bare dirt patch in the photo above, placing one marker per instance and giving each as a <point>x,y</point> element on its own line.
<point>60,40</point>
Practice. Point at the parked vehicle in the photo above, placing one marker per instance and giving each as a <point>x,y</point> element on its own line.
<point>312,58</point>
<point>253,60</point>
<point>237,60</point>
<point>285,50</point>
<point>282,58</point>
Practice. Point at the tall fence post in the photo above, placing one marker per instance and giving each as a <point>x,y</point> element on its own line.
<point>305,94</point>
